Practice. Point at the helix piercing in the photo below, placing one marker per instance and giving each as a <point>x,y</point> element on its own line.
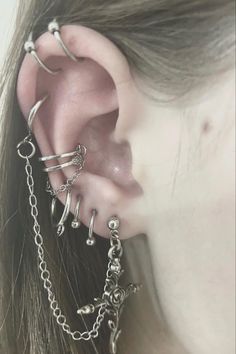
<point>34,111</point>
<point>60,224</point>
<point>91,239</point>
<point>76,222</point>
<point>30,48</point>
<point>54,28</point>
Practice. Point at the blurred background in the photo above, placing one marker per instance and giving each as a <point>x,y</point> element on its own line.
<point>7,18</point>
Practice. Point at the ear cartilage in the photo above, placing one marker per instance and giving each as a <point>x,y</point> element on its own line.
<point>54,28</point>
<point>30,48</point>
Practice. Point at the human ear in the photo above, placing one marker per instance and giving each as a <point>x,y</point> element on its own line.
<point>91,102</point>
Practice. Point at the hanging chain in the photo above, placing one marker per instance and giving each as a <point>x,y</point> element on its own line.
<point>43,267</point>
<point>64,187</point>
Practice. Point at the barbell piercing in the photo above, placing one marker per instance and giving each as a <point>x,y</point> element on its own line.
<point>30,48</point>
<point>54,28</point>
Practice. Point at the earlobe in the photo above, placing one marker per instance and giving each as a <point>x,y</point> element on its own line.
<point>84,106</point>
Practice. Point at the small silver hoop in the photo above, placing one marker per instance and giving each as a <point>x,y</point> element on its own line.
<point>91,239</point>
<point>30,48</point>
<point>60,223</point>
<point>34,111</point>
<point>26,156</point>
<point>54,28</point>
<point>75,224</point>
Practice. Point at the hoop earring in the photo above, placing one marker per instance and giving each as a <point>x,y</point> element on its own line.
<point>54,28</point>
<point>60,224</point>
<point>30,48</point>
<point>75,224</point>
<point>91,239</point>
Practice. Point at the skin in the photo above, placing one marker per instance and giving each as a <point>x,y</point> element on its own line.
<point>166,170</point>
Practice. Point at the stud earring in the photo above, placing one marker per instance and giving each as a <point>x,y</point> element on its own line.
<point>75,224</point>
<point>54,28</point>
<point>91,239</point>
<point>31,49</point>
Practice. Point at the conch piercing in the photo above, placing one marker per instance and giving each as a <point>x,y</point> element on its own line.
<point>54,28</point>
<point>77,159</point>
<point>60,224</point>
<point>91,239</point>
<point>76,222</point>
<point>30,48</point>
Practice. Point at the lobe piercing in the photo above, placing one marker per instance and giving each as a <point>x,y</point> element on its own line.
<point>60,224</point>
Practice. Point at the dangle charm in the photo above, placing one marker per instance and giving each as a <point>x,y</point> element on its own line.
<point>114,295</point>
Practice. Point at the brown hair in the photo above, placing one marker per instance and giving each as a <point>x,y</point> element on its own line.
<point>173,46</point>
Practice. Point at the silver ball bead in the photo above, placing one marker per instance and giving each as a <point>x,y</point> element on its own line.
<point>113,223</point>
<point>53,27</point>
<point>29,46</point>
<point>75,224</point>
<point>91,241</point>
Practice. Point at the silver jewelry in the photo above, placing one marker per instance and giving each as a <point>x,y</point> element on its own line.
<point>114,295</point>
<point>76,222</point>
<point>91,239</point>
<point>34,111</point>
<point>80,149</point>
<point>30,48</point>
<point>60,224</point>
<point>77,160</point>
<point>54,28</point>
<point>112,300</point>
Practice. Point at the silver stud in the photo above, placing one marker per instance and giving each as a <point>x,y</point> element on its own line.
<point>53,26</point>
<point>113,223</point>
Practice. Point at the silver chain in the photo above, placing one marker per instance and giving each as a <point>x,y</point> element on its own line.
<point>64,187</point>
<point>45,274</point>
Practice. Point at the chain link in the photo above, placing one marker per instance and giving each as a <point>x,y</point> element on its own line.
<point>64,187</point>
<point>45,273</point>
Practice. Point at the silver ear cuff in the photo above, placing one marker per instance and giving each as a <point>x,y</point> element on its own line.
<point>30,48</point>
<point>77,159</point>
<point>60,224</point>
<point>76,221</point>
<point>54,28</point>
<point>91,239</point>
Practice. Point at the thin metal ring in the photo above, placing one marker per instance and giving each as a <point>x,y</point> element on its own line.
<point>91,239</point>
<point>76,222</point>
<point>54,28</point>
<point>30,48</point>
<point>24,142</point>
<point>60,223</point>
<point>34,111</point>
<point>77,160</point>
<point>81,149</point>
